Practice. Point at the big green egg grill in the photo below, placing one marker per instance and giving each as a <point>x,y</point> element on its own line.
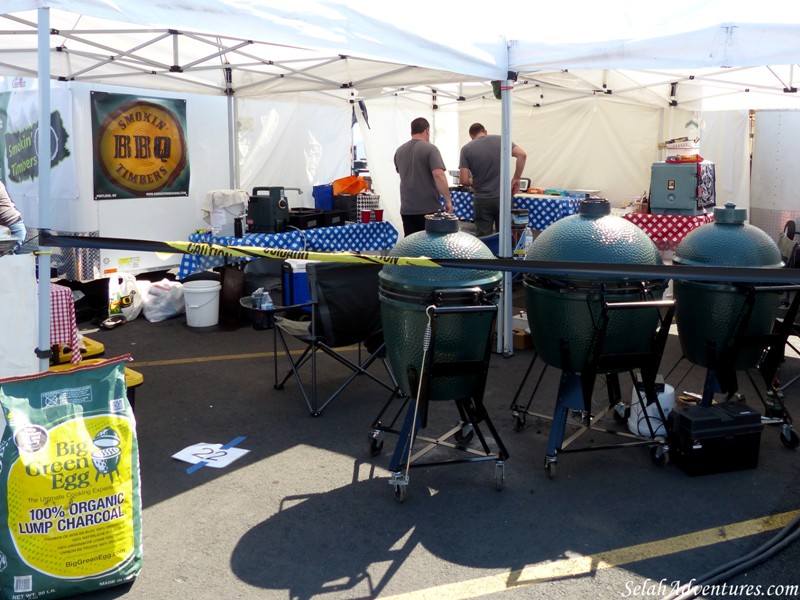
<point>710,316</point>
<point>406,292</point>
<point>563,311</point>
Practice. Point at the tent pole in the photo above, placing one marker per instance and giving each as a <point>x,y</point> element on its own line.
<point>233,145</point>
<point>504,333</point>
<point>43,136</point>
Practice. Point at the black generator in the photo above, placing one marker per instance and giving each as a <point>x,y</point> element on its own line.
<point>267,212</point>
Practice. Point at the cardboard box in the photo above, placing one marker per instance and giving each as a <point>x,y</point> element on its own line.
<point>522,340</point>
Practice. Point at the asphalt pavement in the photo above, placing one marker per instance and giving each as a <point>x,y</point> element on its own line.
<point>309,511</point>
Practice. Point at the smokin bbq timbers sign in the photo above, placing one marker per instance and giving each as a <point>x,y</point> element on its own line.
<point>140,147</point>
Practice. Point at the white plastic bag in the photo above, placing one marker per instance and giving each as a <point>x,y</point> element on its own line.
<point>123,296</point>
<point>164,300</point>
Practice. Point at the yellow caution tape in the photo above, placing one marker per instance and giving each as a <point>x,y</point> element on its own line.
<point>282,253</point>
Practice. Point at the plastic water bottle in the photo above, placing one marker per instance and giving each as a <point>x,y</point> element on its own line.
<point>266,304</point>
<point>258,298</point>
<point>528,239</point>
<point>523,244</point>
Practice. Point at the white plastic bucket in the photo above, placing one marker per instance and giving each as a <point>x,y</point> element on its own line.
<point>202,302</point>
<point>637,423</point>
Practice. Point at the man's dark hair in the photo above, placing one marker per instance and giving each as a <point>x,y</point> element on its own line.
<point>475,129</point>
<point>419,125</point>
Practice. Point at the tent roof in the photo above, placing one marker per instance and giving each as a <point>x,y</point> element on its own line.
<point>210,46</point>
<point>622,49</point>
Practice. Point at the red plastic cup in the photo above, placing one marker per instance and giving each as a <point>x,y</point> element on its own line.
<point>365,215</point>
<point>378,214</point>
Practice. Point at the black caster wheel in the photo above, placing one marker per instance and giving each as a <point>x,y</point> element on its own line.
<point>376,443</point>
<point>659,455</point>
<point>499,475</point>
<point>465,434</point>
<point>400,493</point>
<point>550,467</point>
<point>519,422</point>
<point>789,438</point>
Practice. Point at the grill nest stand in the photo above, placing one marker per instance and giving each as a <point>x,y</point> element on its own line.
<point>471,409</point>
<point>575,388</point>
<point>721,371</point>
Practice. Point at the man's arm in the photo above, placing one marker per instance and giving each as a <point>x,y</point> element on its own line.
<point>521,156</point>
<point>440,179</point>
<point>464,176</point>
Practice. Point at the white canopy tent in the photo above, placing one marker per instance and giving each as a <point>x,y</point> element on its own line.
<point>618,55</point>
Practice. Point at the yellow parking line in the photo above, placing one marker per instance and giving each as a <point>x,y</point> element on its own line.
<point>586,565</point>
<point>202,359</point>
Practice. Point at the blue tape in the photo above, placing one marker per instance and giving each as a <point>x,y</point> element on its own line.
<point>203,463</point>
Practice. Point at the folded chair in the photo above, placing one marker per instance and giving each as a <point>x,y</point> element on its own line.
<point>789,247</point>
<point>345,311</point>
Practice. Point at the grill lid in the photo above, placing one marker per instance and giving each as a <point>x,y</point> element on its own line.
<point>594,235</point>
<point>728,242</point>
<point>441,239</point>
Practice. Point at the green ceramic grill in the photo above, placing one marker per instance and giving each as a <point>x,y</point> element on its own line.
<point>563,313</point>
<point>406,292</point>
<point>707,313</point>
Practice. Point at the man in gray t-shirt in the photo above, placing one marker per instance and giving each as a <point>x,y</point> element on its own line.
<point>422,178</point>
<point>479,167</point>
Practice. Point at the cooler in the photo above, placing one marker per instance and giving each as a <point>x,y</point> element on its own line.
<point>714,439</point>
<point>295,281</point>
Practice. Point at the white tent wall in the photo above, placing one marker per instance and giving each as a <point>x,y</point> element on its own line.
<point>725,140</point>
<point>293,141</point>
<point>584,144</point>
<point>390,126</point>
<point>591,143</point>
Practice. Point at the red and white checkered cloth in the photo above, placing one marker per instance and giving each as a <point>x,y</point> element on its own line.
<point>667,231</point>
<point>63,328</point>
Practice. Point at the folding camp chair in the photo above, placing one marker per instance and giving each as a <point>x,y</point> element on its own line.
<point>345,311</point>
<point>789,247</point>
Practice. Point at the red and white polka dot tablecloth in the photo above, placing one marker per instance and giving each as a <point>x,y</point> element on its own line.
<point>667,231</point>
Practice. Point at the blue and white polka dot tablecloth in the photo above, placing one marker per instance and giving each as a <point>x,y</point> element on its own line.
<point>358,237</point>
<point>543,210</point>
